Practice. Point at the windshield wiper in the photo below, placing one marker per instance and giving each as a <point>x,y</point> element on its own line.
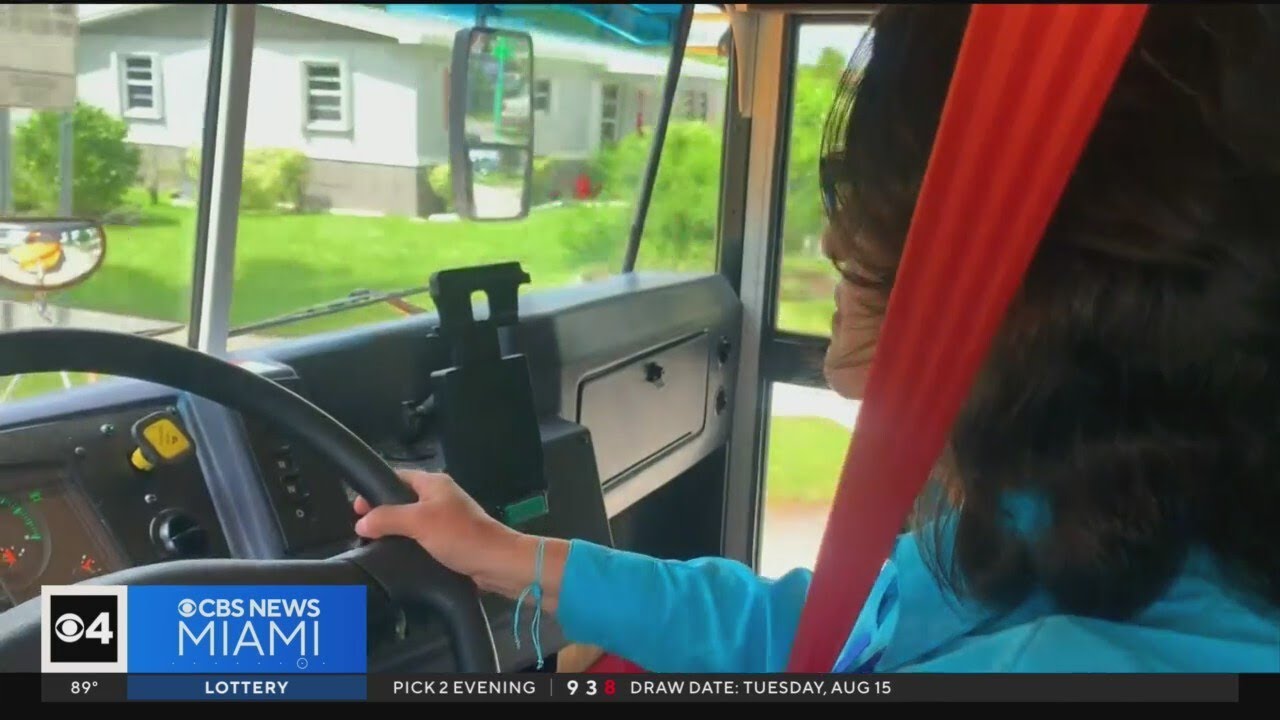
<point>356,299</point>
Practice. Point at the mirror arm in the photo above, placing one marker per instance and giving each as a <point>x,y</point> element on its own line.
<point>659,137</point>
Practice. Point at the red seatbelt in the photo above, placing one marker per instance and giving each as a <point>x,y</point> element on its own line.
<point>1028,86</point>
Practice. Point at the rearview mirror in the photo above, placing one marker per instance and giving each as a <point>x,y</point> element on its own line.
<point>43,254</point>
<point>491,123</point>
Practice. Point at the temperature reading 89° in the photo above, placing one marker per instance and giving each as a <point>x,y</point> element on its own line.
<point>82,687</point>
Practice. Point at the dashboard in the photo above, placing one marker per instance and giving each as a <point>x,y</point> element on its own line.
<point>48,533</point>
<point>631,381</point>
<point>73,505</point>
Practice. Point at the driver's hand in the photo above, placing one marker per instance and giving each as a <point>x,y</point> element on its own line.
<point>448,524</point>
<point>458,533</point>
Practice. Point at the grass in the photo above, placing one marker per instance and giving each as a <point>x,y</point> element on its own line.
<point>286,262</point>
<point>805,456</point>
<point>806,299</point>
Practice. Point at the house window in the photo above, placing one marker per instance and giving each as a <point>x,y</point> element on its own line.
<point>695,105</point>
<point>326,88</point>
<point>610,97</point>
<point>140,85</point>
<point>542,95</point>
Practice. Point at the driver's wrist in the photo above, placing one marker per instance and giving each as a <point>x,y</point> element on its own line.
<point>512,566</point>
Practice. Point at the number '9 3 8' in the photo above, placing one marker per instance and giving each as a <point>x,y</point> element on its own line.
<point>591,687</point>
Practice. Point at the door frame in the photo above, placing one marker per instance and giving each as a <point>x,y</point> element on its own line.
<point>752,216</point>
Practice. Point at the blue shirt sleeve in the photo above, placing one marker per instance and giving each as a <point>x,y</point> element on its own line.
<point>709,615</point>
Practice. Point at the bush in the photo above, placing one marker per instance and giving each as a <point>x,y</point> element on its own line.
<point>594,235</point>
<point>441,183</point>
<point>271,178</point>
<point>104,164</point>
<point>542,186</point>
<point>682,217</point>
<point>544,180</point>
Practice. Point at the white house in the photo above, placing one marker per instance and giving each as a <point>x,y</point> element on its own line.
<point>362,93</point>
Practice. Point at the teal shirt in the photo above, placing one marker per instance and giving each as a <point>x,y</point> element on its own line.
<point>714,615</point>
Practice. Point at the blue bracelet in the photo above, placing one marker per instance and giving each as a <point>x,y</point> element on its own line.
<point>535,589</point>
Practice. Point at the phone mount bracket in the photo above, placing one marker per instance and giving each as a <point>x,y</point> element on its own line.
<point>484,407</point>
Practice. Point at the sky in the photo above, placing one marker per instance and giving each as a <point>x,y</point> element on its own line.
<point>813,37</point>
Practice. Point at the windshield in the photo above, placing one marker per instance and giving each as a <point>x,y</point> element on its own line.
<point>345,188</point>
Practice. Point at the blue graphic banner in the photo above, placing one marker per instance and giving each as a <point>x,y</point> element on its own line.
<point>239,629</point>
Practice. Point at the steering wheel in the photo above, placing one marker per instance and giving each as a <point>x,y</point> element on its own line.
<point>396,571</point>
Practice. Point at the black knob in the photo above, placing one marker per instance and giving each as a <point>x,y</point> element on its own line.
<point>653,373</point>
<point>180,535</point>
<point>723,349</point>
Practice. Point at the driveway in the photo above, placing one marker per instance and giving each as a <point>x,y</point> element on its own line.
<point>496,201</point>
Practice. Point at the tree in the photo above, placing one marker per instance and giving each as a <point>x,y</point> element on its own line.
<point>682,217</point>
<point>686,194</point>
<point>105,164</point>
<point>815,94</point>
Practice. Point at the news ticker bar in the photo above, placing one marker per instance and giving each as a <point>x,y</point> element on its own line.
<point>552,687</point>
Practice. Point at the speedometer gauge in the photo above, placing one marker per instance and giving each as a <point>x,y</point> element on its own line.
<point>24,542</point>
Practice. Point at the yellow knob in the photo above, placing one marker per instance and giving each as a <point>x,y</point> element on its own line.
<point>140,461</point>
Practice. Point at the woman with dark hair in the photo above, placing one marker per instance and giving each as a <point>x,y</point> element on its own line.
<point>1109,500</point>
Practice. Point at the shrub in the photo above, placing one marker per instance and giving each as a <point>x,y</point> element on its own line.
<point>544,180</point>
<point>270,178</point>
<point>441,183</point>
<point>543,184</point>
<point>682,215</point>
<point>594,235</point>
<point>104,164</point>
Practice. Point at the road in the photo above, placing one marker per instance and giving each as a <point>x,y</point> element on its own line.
<point>496,201</point>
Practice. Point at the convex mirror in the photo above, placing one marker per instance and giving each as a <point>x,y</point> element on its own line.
<point>43,254</point>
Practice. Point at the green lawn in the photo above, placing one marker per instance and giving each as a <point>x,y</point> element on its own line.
<point>805,456</point>
<point>286,262</point>
<point>806,300</point>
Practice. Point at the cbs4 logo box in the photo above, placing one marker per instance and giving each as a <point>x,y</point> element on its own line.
<point>204,629</point>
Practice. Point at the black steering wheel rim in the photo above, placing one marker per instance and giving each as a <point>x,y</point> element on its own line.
<point>452,596</point>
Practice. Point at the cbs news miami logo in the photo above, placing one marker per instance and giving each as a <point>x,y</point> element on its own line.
<point>203,629</point>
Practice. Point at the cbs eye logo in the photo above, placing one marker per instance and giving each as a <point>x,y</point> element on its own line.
<point>83,629</point>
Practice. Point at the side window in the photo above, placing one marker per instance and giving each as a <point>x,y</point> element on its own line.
<point>684,212</point>
<point>609,96</point>
<point>326,99</point>
<point>120,104</point>
<point>806,297</point>
<point>140,86</point>
<point>695,105</point>
<point>542,95</point>
<point>809,428</point>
